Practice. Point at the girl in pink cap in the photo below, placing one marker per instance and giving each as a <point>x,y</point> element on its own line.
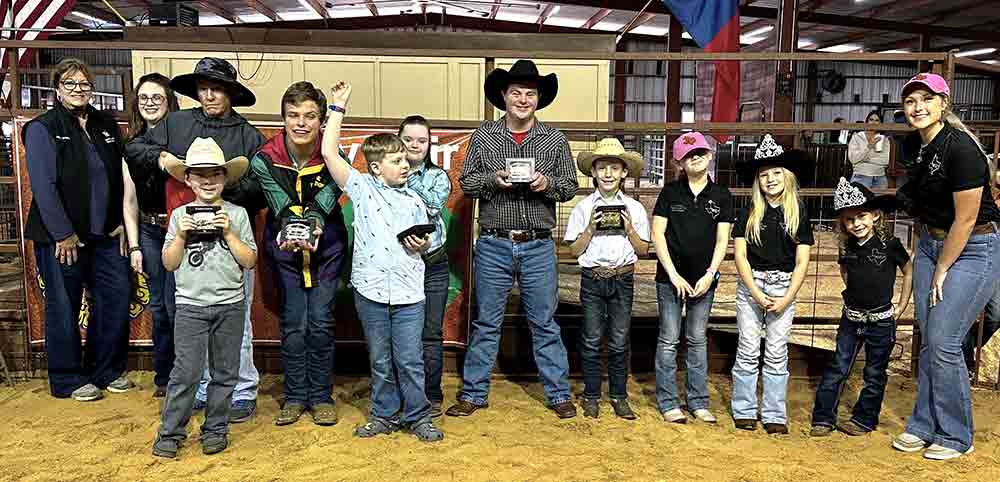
<point>691,225</point>
<point>955,266</point>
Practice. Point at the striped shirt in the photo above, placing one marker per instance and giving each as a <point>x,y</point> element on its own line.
<point>518,207</point>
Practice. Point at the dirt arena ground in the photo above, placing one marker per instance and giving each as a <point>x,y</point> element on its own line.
<point>45,440</point>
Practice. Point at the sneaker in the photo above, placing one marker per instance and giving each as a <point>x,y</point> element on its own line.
<point>674,416</point>
<point>821,431</point>
<point>242,410</point>
<point>166,447</point>
<point>436,411</point>
<point>120,385</point>
<point>87,393</point>
<point>591,407</point>
<point>776,428</point>
<point>852,428</point>
<point>425,431</point>
<point>623,409</point>
<point>199,405</point>
<point>214,443</point>
<point>704,416</point>
<point>160,392</point>
<point>324,414</point>
<point>937,452</point>
<point>745,423</point>
<point>289,414</point>
<point>908,443</point>
<point>376,426</point>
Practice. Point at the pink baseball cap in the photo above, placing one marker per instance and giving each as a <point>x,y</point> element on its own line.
<point>933,82</point>
<point>689,142</point>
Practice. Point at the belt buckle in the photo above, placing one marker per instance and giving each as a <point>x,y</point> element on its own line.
<point>519,236</point>
<point>603,272</point>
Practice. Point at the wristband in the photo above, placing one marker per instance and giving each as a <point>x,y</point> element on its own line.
<point>134,249</point>
<point>337,108</point>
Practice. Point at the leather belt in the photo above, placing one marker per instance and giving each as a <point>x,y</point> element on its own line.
<point>603,272</point>
<point>518,236</point>
<point>865,316</point>
<point>772,276</point>
<point>985,228</point>
<point>157,219</point>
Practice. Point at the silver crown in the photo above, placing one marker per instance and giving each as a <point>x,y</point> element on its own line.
<point>768,148</point>
<point>847,196</point>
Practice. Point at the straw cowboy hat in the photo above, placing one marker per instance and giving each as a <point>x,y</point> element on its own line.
<point>204,152</point>
<point>611,148</point>
<point>215,70</point>
<point>770,154</point>
<point>524,71</point>
<point>850,195</point>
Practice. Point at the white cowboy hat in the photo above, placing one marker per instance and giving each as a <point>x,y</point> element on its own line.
<point>205,152</point>
<point>611,148</point>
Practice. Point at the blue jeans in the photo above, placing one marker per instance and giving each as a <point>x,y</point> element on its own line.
<point>991,324</point>
<point>436,280</point>
<point>216,331</point>
<point>105,272</point>
<point>161,300</point>
<point>871,182</point>
<point>498,263</point>
<point>248,377</point>
<point>878,338</point>
<point>307,340</point>
<point>943,410</point>
<point>755,324</point>
<point>393,333</point>
<point>696,362</point>
<point>607,308</point>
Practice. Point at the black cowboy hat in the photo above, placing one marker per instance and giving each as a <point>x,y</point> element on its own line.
<point>850,195</point>
<point>215,70</point>
<point>770,154</point>
<point>522,70</point>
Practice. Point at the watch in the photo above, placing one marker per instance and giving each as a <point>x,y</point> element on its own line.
<point>337,108</point>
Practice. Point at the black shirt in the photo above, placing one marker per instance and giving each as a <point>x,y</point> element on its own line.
<point>776,250</point>
<point>691,226</point>
<point>871,271</point>
<point>950,163</point>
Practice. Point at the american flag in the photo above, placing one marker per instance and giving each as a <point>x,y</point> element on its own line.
<point>38,14</point>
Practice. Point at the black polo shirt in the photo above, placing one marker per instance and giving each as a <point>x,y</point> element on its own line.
<point>871,271</point>
<point>776,250</point>
<point>950,163</point>
<point>691,226</point>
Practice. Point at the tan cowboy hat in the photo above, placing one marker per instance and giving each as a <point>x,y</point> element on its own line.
<point>611,148</point>
<point>204,152</point>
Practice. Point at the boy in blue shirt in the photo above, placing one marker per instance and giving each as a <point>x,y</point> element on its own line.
<point>387,274</point>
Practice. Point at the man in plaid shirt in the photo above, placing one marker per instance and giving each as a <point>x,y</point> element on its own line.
<point>518,168</point>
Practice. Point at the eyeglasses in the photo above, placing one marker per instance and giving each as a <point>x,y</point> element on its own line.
<point>72,85</point>
<point>155,99</point>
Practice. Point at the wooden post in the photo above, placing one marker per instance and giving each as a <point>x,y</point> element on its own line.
<point>15,82</point>
<point>672,96</point>
<point>925,46</point>
<point>811,88</point>
<point>487,106</point>
<point>949,69</point>
<point>784,83</point>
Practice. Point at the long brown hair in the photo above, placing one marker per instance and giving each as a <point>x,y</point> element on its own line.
<point>419,120</point>
<point>136,124</point>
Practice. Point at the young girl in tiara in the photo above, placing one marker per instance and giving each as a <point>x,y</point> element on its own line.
<point>772,242</point>
<point>869,258</point>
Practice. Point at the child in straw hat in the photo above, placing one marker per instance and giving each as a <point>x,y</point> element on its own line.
<point>207,246</point>
<point>608,231</point>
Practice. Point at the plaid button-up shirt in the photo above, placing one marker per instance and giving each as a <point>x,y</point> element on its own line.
<point>518,207</point>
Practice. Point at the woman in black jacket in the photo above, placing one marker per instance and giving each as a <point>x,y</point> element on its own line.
<point>74,159</point>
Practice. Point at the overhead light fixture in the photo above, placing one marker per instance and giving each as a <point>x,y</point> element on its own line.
<point>971,53</point>
<point>758,31</point>
<point>554,10</point>
<point>804,42</point>
<point>747,40</point>
<point>991,62</point>
<point>842,48</point>
<point>88,17</point>
<point>896,51</point>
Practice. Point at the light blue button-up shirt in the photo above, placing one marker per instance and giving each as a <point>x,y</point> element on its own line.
<point>382,269</point>
<point>433,186</point>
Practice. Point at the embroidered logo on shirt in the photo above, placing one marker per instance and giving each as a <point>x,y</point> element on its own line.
<point>318,183</point>
<point>877,257</point>
<point>712,209</point>
<point>935,165</point>
<point>107,137</point>
<point>678,208</point>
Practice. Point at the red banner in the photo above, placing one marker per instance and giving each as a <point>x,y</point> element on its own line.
<point>448,151</point>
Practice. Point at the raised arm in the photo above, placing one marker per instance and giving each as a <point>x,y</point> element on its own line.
<point>339,168</point>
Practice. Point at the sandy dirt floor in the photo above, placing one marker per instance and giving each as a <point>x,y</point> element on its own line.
<point>516,439</point>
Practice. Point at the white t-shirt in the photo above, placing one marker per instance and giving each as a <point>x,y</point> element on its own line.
<point>607,249</point>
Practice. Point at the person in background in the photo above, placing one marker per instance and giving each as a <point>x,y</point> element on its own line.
<point>868,152</point>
